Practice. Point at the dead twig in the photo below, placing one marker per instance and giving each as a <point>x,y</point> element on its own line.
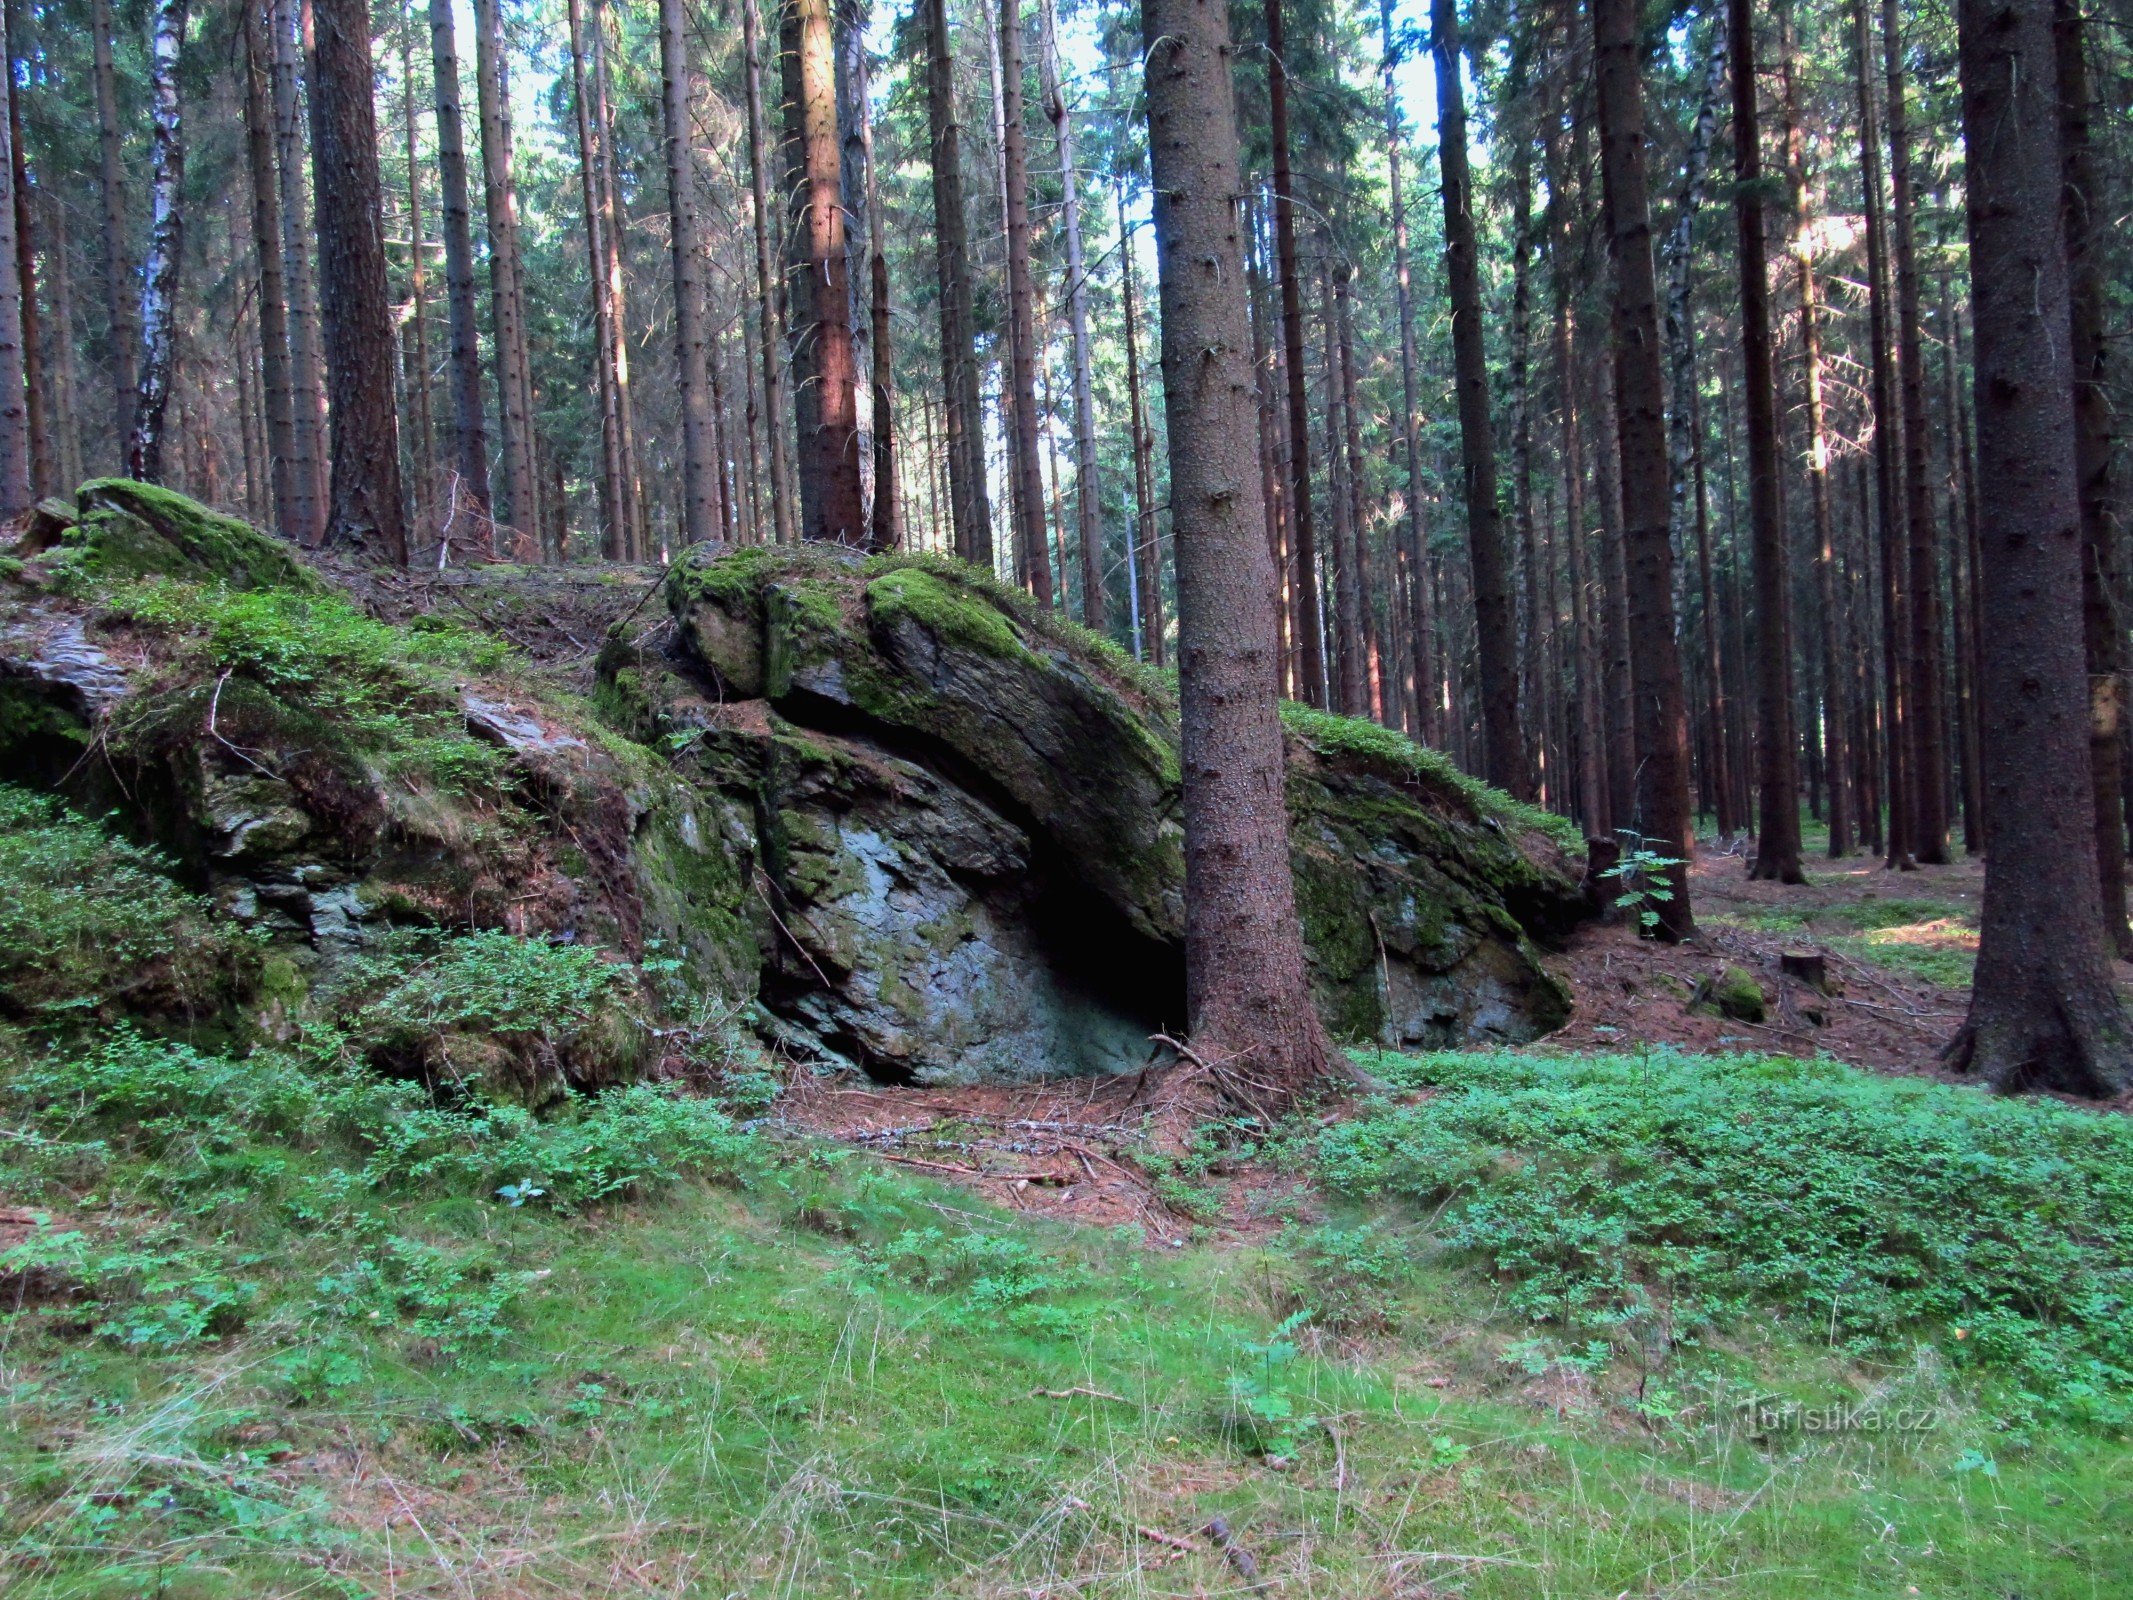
<point>1242,1560</point>
<point>1079,1388</point>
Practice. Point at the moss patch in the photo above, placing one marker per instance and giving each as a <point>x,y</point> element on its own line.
<point>131,528</point>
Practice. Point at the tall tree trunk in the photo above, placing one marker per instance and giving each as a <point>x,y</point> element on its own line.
<point>771,339</point>
<point>1144,575</point>
<point>831,510</point>
<point>1415,538</point>
<point>2044,1013</point>
<point>289,500</point>
<point>470,432</point>
<point>507,298</point>
<point>870,256</point>
<point>1310,637</point>
<point>613,517</point>
<point>1662,812</point>
<point>1835,741</point>
<point>121,292</point>
<point>1531,694</point>
<point>1503,750</point>
<point>1371,662</point>
<point>1896,782</point>
<point>424,451</point>
<point>366,512</point>
<point>1777,843</point>
<point>1347,641</point>
<point>1591,732</point>
<point>306,372</point>
<point>1250,1009</point>
<point>1088,501</point>
<point>2102,576</point>
<point>37,383</point>
<point>614,221</point>
<point>969,513</point>
<point>699,486</point>
<point>854,157</point>
<point>66,372</point>
<point>16,490</point>
<point>159,292</point>
<point>1263,365</point>
<point>1030,556</point>
<point>1925,706</point>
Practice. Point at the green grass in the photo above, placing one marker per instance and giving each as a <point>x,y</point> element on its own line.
<point>636,1349</point>
<point>1888,933</point>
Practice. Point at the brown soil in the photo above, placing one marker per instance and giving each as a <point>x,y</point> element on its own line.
<point>1631,991</point>
<point>1079,1149</point>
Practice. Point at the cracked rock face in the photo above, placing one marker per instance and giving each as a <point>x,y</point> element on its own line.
<point>962,825</point>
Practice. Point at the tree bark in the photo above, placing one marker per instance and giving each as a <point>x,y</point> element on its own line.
<point>1370,663</point>
<point>1310,636</point>
<point>307,380</point>
<point>2044,1013</point>
<point>507,300</point>
<point>66,373</point>
<point>1250,1012</point>
<point>2102,562</point>
<point>1777,843</point>
<point>870,252</point>
<point>16,490</point>
<point>1421,627</point>
<point>1590,731</point>
<point>276,378</point>
<point>37,383</point>
<point>424,448</point>
<point>1496,645</point>
<point>1925,699</point>
<point>831,510</point>
<point>1347,642</point>
<point>771,339</point>
<point>1088,501</point>
<point>699,487</point>
<point>1662,814</point>
<point>366,512</point>
<point>1144,574</point>
<point>1896,782</point>
<point>159,292</point>
<point>1030,555</point>
<point>969,513</point>
<point>470,431</point>
<point>614,221</point>
<point>122,294</point>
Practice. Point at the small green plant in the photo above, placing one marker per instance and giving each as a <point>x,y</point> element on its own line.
<point>1263,1410</point>
<point>1640,879</point>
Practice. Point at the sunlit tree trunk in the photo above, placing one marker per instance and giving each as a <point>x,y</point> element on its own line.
<point>1420,626</point>
<point>699,487</point>
<point>1310,641</point>
<point>306,357</point>
<point>470,430</point>
<point>1144,566</point>
<point>1030,557</point>
<point>366,512</point>
<point>771,337</point>
<point>121,293</point>
<point>507,301</point>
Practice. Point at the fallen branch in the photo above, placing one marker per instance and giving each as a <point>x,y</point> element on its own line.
<point>1241,1559</point>
<point>1068,1394</point>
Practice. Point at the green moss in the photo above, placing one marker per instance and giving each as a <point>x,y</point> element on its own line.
<point>1367,741</point>
<point>122,517</point>
<point>90,923</point>
<point>952,611</point>
<point>1736,994</point>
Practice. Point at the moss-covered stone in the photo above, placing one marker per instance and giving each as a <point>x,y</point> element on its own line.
<point>1735,993</point>
<point>132,529</point>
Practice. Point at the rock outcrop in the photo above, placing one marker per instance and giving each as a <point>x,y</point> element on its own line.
<point>916,824</point>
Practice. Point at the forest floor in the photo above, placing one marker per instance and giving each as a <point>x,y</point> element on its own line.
<point>1668,1304</point>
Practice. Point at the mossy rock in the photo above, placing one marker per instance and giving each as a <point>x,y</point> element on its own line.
<point>1734,993</point>
<point>130,529</point>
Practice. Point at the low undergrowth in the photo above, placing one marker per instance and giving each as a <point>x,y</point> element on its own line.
<point>1931,939</point>
<point>1659,1199</point>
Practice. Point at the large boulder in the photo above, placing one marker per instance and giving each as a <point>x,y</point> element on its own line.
<point>899,815</point>
<point>961,814</point>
